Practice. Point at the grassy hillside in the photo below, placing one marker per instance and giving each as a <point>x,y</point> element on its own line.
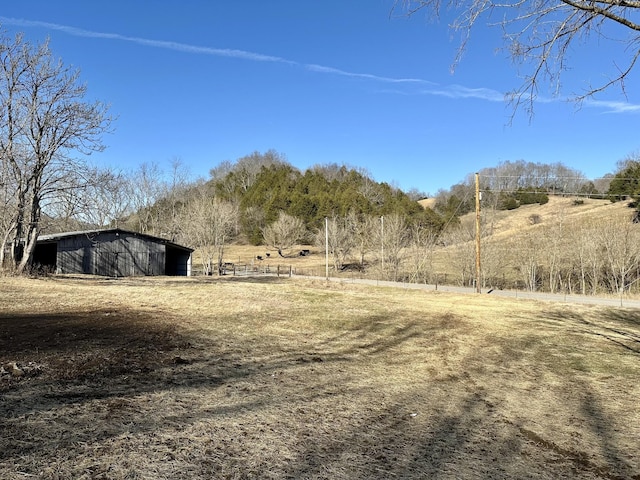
<point>271,378</point>
<point>506,234</point>
<point>559,231</point>
<point>515,223</point>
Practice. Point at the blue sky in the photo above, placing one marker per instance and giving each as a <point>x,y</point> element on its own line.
<point>329,81</point>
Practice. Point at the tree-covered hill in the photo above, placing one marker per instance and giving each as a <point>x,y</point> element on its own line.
<point>263,185</point>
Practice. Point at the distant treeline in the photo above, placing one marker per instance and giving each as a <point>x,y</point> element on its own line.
<point>512,184</point>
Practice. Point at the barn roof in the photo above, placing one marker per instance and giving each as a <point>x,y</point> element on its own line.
<point>59,236</point>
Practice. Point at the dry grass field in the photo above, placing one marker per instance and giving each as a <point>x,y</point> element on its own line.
<point>509,224</point>
<point>509,230</point>
<point>168,378</point>
<point>510,236</point>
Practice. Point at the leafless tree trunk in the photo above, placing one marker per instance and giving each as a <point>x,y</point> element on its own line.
<point>529,261</point>
<point>104,199</point>
<point>43,120</point>
<point>587,256</point>
<point>460,252</point>
<point>423,242</point>
<point>393,238</point>
<point>284,233</point>
<point>551,237</point>
<point>341,240</point>
<point>147,189</point>
<point>620,239</point>
<point>208,225</point>
<point>362,228</point>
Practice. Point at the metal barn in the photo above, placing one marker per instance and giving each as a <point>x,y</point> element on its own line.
<point>112,252</point>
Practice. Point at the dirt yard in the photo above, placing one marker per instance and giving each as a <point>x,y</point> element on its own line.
<point>159,378</point>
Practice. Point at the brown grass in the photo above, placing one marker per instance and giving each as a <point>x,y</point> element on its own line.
<point>511,224</point>
<point>508,234</point>
<point>509,230</point>
<point>274,378</point>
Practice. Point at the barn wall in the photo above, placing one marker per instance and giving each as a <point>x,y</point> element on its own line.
<point>115,254</point>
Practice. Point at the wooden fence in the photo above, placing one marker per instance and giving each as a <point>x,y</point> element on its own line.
<point>238,270</point>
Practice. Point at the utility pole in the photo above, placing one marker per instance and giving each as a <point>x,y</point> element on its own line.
<point>326,246</point>
<point>382,243</point>
<point>478,271</point>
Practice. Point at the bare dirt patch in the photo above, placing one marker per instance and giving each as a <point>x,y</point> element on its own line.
<point>274,378</point>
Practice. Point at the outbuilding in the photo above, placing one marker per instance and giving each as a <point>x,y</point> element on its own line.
<point>111,252</point>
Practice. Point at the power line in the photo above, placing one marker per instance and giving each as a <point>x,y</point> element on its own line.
<point>595,196</point>
<point>566,177</point>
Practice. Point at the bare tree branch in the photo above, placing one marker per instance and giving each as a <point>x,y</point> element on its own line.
<point>540,34</point>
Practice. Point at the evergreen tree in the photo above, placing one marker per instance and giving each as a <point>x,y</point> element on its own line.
<point>626,183</point>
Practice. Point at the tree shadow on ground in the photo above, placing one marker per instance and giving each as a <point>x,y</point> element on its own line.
<point>105,357</point>
<point>263,279</point>
<point>455,428</point>
<point>98,365</point>
<point>620,327</point>
<point>70,357</point>
<point>460,435</point>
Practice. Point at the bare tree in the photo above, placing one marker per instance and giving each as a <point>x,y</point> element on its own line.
<point>541,34</point>
<point>602,184</point>
<point>106,199</point>
<point>284,233</point>
<point>44,120</point>
<point>369,189</point>
<point>620,241</point>
<point>585,257</point>
<point>79,200</point>
<point>510,176</point>
<point>331,171</point>
<point>554,253</point>
<point>423,242</point>
<point>362,227</point>
<point>529,252</point>
<point>246,169</point>
<point>147,188</point>
<point>220,171</point>
<point>208,225</point>
<point>341,240</point>
<point>174,192</point>
<point>8,210</point>
<point>593,256</point>
<point>461,252</point>
<point>394,236</point>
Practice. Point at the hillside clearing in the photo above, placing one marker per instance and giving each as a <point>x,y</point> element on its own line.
<point>272,378</point>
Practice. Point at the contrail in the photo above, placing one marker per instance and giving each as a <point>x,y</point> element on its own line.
<point>429,88</point>
<point>458,91</point>
<point>335,71</point>
<point>184,47</point>
<point>613,106</point>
